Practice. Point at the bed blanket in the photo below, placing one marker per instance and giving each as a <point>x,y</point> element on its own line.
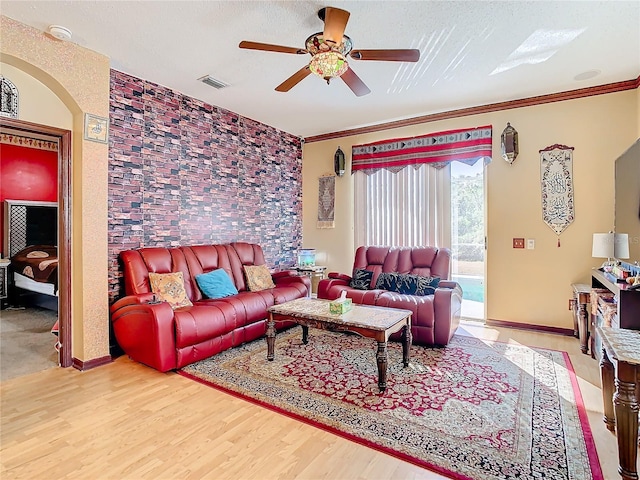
<point>38,262</point>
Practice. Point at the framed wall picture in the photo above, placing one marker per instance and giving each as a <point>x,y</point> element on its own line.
<point>96,128</point>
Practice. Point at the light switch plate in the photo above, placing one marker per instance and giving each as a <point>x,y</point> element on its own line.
<point>531,243</point>
<point>518,243</point>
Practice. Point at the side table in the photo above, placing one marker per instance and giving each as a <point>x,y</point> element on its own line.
<point>620,376</point>
<point>580,306</point>
<point>4,280</point>
<point>315,273</point>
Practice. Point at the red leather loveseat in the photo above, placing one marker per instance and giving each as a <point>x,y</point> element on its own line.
<point>435,317</point>
<point>155,334</point>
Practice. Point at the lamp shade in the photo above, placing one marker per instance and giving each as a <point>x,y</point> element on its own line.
<point>603,245</point>
<point>621,246</point>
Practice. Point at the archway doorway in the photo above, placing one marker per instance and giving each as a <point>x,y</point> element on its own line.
<point>63,137</point>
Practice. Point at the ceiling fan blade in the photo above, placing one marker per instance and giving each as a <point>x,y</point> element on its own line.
<point>353,81</point>
<point>407,55</point>
<point>271,48</point>
<point>294,79</point>
<point>335,21</point>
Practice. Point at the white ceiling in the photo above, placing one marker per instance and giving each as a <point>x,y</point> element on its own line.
<point>472,52</point>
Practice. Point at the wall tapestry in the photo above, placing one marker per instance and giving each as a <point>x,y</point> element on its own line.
<point>326,201</point>
<point>436,149</point>
<point>556,173</point>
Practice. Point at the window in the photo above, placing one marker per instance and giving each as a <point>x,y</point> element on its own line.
<point>407,208</point>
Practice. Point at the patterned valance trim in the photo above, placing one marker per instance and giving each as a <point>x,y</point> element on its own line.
<point>466,145</point>
<point>28,142</point>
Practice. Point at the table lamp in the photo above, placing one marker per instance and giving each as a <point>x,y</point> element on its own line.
<point>621,246</point>
<point>604,247</point>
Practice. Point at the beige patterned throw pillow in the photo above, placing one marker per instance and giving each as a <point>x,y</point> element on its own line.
<point>258,277</point>
<point>170,288</point>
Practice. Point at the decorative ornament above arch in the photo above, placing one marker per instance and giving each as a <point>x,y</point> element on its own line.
<point>8,98</point>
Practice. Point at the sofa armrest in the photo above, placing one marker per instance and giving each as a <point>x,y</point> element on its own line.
<point>145,331</point>
<point>447,305</point>
<point>340,276</point>
<point>325,285</point>
<point>132,300</point>
<point>284,273</point>
<point>293,280</point>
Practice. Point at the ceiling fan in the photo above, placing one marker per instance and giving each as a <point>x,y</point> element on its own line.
<point>329,50</point>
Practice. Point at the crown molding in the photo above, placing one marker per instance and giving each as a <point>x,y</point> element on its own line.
<point>492,107</point>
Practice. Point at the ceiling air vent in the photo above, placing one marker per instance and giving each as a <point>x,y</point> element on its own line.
<point>212,82</point>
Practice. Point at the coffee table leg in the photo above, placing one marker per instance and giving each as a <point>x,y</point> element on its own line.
<point>305,334</point>
<point>406,344</point>
<point>381,358</point>
<point>271,337</point>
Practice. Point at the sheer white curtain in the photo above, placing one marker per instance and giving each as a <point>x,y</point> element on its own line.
<point>409,208</point>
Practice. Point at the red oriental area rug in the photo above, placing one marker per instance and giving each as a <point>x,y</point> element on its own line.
<point>474,410</point>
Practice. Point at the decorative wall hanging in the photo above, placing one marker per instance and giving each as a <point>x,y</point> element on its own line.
<point>436,149</point>
<point>96,128</point>
<point>326,201</point>
<point>556,174</point>
<point>509,143</point>
<point>8,98</point>
<point>339,162</point>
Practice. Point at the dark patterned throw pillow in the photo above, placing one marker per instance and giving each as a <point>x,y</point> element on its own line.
<point>361,279</point>
<point>407,284</point>
<point>427,285</point>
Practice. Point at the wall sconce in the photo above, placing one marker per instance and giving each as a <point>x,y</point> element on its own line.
<point>509,143</point>
<point>338,162</point>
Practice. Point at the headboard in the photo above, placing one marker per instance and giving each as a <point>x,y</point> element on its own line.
<point>29,222</point>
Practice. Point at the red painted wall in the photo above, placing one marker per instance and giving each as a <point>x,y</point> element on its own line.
<point>27,174</point>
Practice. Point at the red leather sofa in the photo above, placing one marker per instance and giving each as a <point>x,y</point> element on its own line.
<point>435,317</point>
<point>165,339</point>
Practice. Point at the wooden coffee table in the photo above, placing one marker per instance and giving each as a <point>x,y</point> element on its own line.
<point>371,322</point>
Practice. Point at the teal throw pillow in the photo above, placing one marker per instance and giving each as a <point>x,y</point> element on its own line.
<point>216,284</point>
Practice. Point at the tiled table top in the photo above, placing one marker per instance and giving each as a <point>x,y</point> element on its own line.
<point>376,318</point>
<point>622,343</point>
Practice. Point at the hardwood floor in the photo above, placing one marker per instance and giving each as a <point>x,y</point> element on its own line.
<point>127,421</point>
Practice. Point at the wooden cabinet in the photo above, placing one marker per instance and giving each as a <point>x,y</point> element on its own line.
<point>622,312</point>
<point>580,305</point>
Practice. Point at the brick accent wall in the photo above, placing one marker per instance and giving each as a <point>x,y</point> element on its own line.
<point>183,172</point>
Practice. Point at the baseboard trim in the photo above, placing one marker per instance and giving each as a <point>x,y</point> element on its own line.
<point>89,364</point>
<point>526,326</point>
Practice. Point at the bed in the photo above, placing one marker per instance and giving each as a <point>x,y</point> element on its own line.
<point>30,241</point>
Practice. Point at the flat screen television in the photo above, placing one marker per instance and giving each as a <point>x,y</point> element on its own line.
<point>627,199</point>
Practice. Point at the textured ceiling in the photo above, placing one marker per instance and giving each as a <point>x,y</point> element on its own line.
<point>472,52</point>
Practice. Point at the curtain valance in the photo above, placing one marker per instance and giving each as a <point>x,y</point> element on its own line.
<point>436,149</point>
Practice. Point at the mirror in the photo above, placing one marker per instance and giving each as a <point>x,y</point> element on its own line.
<point>627,198</point>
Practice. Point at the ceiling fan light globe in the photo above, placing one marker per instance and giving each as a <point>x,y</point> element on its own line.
<point>328,65</point>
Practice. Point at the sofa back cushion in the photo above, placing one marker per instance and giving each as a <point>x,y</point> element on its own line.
<point>245,254</point>
<point>191,261</point>
<point>203,259</point>
<point>138,263</point>
<point>424,261</point>
<point>216,284</point>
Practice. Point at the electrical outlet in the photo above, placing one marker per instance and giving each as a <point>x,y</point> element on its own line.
<point>531,243</point>
<point>518,243</point>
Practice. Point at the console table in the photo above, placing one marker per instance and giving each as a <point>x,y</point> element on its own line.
<point>580,306</point>
<point>620,376</point>
<point>627,305</point>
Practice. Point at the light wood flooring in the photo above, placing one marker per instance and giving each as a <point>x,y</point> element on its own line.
<point>127,421</point>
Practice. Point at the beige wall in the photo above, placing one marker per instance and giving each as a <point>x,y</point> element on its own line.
<point>37,103</point>
<point>80,79</point>
<point>524,286</point>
